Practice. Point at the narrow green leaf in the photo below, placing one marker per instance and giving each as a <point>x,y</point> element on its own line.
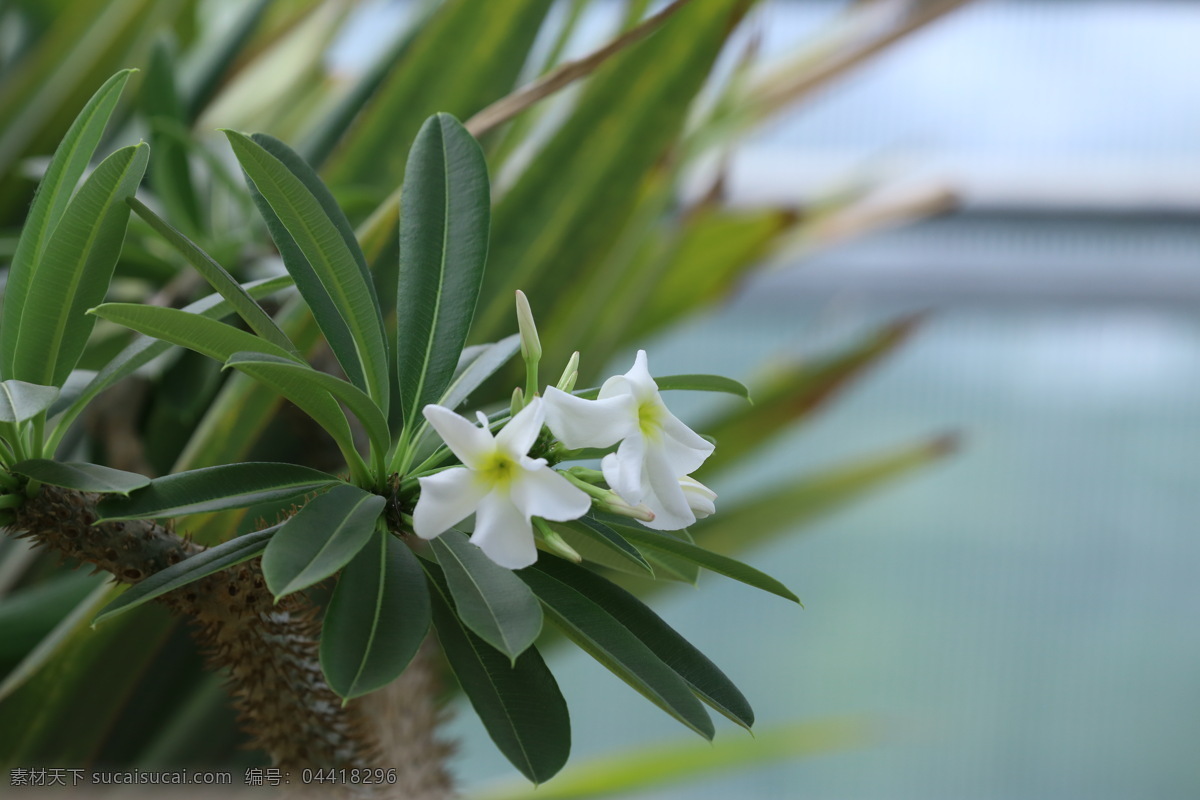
<point>793,391</point>
<point>491,600</point>
<point>608,541</point>
<point>75,270</point>
<point>336,283</point>
<point>728,567</point>
<point>377,618</point>
<point>320,539</point>
<point>579,191</point>
<point>444,222</point>
<point>66,167</point>
<point>781,510</point>
<point>225,284</point>
<point>20,401</point>
<point>693,383</point>
<point>482,365</point>
<point>290,377</point>
<point>54,642</point>
<point>215,489</point>
<point>703,383</point>
<point>145,349</point>
<point>519,704</point>
<point>215,56</point>
<point>606,638</point>
<point>476,364</point>
<point>81,477</point>
<point>201,565</point>
<point>639,771</point>
<point>170,173</point>
<point>708,682</point>
<point>372,153</point>
<point>208,337</point>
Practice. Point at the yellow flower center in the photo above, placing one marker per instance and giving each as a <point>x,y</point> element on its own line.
<point>650,418</point>
<point>498,470</point>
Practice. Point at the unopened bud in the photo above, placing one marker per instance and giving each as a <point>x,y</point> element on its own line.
<point>555,543</point>
<point>518,401</point>
<point>567,382</point>
<point>531,345</point>
<point>606,499</point>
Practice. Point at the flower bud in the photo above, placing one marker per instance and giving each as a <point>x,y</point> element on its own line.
<point>567,382</point>
<point>555,543</point>
<point>699,497</point>
<point>531,345</point>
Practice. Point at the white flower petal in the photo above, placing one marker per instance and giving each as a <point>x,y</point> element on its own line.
<point>447,498</point>
<point>699,497</point>
<point>683,447</point>
<point>471,444</point>
<point>503,533</point>
<point>589,423</point>
<point>671,509</point>
<point>522,430</point>
<point>624,469</point>
<point>544,493</point>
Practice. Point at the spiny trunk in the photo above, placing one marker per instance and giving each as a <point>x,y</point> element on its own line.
<point>269,650</point>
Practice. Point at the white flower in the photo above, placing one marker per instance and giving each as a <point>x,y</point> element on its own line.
<point>656,448</point>
<point>699,497</point>
<point>499,483</point>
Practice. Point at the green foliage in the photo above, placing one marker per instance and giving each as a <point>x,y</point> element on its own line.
<point>377,618</point>
<point>216,489</point>
<point>81,477</point>
<point>320,539</point>
<point>589,227</point>
<point>518,701</point>
<point>490,600</point>
<point>444,222</point>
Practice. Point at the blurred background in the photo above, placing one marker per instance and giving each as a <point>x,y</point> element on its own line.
<point>1017,621</point>
<point>991,204</point>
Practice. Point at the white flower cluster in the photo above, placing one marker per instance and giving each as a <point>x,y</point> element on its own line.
<point>504,488</point>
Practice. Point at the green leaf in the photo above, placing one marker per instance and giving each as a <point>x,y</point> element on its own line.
<point>320,539</point>
<point>663,543</point>
<point>580,189</point>
<point>331,272</point>
<point>693,383</point>
<point>145,349</point>
<point>476,365</point>
<point>208,337</point>
<point>603,538</point>
<point>170,173</point>
<point>81,477</point>
<point>66,167</point>
<point>491,600</point>
<point>289,378</point>
<point>20,401</point>
<point>75,270</point>
<point>793,391</point>
<point>377,618</point>
<point>519,703</point>
<point>419,84</point>
<point>779,510</point>
<point>203,564</point>
<point>482,365</point>
<point>238,298</point>
<point>444,221</point>
<point>640,770</point>
<point>606,638</point>
<point>215,489</point>
<point>703,383</point>
<point>706,679</point>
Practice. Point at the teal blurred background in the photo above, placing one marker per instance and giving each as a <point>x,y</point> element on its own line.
<point>1020,620</point>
